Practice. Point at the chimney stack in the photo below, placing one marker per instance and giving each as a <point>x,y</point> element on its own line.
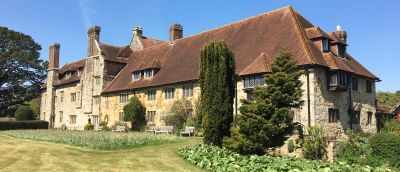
<point>175,32</point>
<point>341,34</point>
<point>54,56</point>
<point>138,32</point>
<point>93,35</point>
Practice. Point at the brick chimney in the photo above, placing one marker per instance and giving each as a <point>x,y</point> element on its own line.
<point>341,34</point>
<point>54,56</point>
<point>93,34</point>
<point>175,32</point>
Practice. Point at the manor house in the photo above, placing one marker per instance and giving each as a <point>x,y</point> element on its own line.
<point>339,93</point>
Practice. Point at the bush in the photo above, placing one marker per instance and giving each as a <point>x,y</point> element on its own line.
<point>135,113</point>
<point>103,125</point>
<point>291,146</point>
<point>89,127</point>
<point>23,113</point>
<point>314,146</point>
<point>385,147</point>
<point>391,126</point>
<point>16,125</point>
<point>355,149</point>
<point>179,114</point>
<point>216,159</point>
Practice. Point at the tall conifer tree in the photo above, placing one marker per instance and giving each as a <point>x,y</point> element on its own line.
<point>217,83</point>
<point>267,120</point>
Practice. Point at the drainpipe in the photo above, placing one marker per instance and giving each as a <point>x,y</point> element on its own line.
<point>308,97</point>
<point>350,107</point>
<point>236,94</point>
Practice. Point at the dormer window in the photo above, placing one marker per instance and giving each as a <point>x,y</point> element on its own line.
<point>341,50</point>
<point>325,45</point>
<point>68,75</point>
<point>148,73</point>
<point>79,71</point>
<point>339,81</point>
<point>136,75</point>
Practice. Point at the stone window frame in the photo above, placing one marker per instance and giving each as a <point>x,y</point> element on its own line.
<point>72,119</point>
<point>169,93</point>
<point>252,81</point>
<point>61,96</point>
<point>61,116</point>
<point>355,117</point>
<point>151,116</point>
<point>354,83</point>
<point>369,117</point>
<point>123,98</point>
<point>333,115</point>
<point>151,95</point>
<point>96,100</point>
<point>187,91</point>
<point>368,86</point>
<point>121,116</point>
<point>73,97</point>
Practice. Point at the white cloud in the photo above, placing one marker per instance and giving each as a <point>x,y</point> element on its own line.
<point>86,11</point>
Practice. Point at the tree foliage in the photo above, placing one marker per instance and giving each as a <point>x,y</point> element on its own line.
<point>179,113</point>
<point>217,83</point>
<point>388,100</point>
<point>135,113</point>
<point>267,120</point>
<point>23,113</point>
<point>21,70</point>
<point>314,146</point>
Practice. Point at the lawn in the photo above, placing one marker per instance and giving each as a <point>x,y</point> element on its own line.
<point>94,140</point>
<point>27,155</point>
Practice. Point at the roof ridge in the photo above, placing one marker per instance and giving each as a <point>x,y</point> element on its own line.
<point>235,22</point>
<point>302,35</point>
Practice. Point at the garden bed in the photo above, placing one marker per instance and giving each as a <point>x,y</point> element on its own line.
<point>217,159</point>
<point>94,140</point>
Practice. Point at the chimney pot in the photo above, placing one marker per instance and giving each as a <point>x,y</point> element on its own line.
<point>54,56</point>
<point>175,32</point>
<point>93,35</point>
<point>138,31</point>
<point>341,34</point>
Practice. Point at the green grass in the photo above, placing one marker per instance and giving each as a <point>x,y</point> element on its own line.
<point>94,140</point>
<point>27,155</point>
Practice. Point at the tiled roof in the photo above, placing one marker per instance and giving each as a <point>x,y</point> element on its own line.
<point>72,66</point>
<point>149,42</point>
<point>255,41</point>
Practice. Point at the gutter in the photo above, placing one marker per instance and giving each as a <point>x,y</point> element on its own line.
<point>307,72</point>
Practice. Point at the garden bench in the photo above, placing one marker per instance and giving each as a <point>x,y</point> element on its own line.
<point>188,131</point>
<point>164,129</point>
<point>97,128</point>
<point>151,130</point>
<point>119,129</point>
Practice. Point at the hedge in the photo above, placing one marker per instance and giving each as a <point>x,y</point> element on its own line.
<point>17,125</point>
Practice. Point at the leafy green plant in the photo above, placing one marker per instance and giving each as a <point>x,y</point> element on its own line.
<point>220,159</point>
<point>391,125</point>
<point>89,127</point>
<point>291,146</point>
<point>385,147</point>
<point>23,113</point>
<point>355,149</point>
<point>135,113</point>
<point>314,146</point>
<point>179,114</point>
<point>94,140</point>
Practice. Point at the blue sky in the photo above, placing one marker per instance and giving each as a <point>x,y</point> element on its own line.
<point>373,26</point>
